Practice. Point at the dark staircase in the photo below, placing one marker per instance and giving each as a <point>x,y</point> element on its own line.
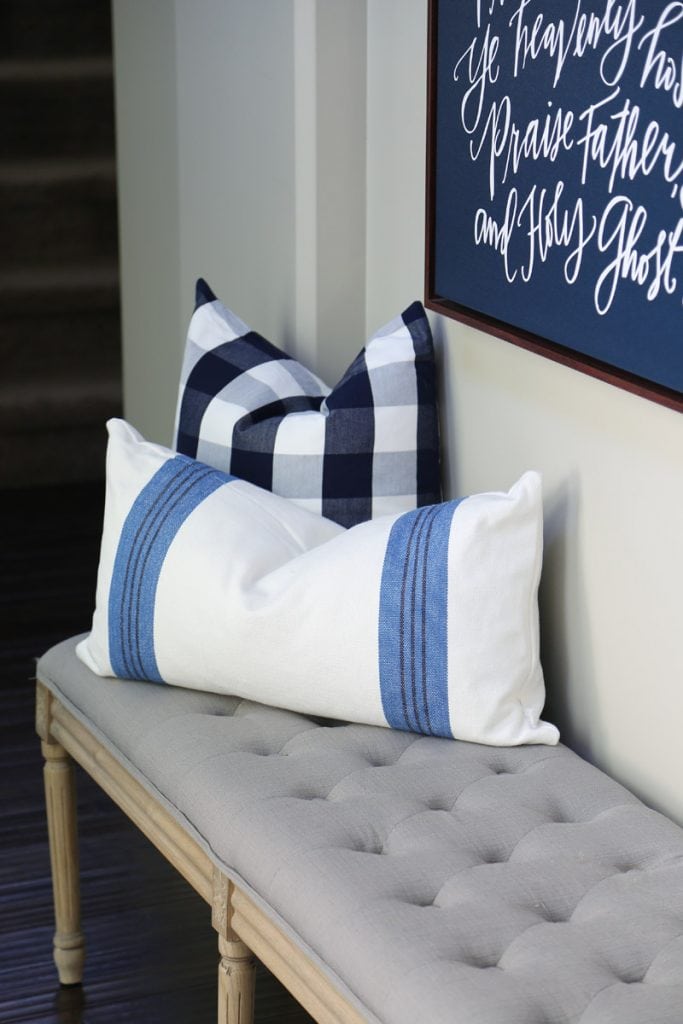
<point>60,351</point>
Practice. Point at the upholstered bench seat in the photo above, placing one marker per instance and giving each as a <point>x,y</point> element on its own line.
<point>412,879</point>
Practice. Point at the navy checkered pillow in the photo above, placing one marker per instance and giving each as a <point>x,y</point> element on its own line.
<point>368,447</point>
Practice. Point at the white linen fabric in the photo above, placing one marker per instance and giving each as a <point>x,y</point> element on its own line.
<point>425,621</point>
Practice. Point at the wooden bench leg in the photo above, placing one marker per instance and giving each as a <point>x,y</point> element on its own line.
<point>60,797</point>
<point>235,983</point>
<point>236,970</point>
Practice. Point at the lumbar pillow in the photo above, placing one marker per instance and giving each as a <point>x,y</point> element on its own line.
<point>368,447</point>
<point>425,621</point>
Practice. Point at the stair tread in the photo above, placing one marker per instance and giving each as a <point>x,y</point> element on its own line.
<point>28,280</point>
<point>51,70</point>
<point>60,367</point>
<point>54,390</point>
<point>56,171</point>
<point>52,28</point>
<point>47,401</point>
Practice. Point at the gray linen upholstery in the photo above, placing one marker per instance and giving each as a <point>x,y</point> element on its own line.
<point>438,881</point>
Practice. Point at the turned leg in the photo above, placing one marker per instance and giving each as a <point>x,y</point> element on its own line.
<point>235,983</point>
<point>60,797</point>
<point>236,970</point>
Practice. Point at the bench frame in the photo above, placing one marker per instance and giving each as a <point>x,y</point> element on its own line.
<point>244,930</point>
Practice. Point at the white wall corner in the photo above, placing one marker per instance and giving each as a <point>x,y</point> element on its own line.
<point>235,156</point>
<point>149,239</point>
<point>305,341</point>
<point>396,146</point>
<point>330,80</point>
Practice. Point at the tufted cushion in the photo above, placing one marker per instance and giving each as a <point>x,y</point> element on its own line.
<point>436,880</point>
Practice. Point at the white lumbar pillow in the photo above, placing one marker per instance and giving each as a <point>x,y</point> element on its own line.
<point>425,621</point>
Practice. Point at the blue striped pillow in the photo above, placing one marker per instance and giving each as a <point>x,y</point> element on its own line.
<point>425,621</point>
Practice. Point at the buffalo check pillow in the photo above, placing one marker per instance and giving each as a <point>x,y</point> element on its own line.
<point>367,447</point>
<point>424,621</point>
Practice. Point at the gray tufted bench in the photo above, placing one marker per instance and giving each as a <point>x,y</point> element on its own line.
<point>380,875</point>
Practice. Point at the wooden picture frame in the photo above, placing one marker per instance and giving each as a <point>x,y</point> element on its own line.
<point>455,51</point>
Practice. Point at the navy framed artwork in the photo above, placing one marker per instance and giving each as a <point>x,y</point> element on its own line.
<point>555,181</point>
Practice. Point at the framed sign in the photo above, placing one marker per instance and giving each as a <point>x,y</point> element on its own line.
<point>555,181</point>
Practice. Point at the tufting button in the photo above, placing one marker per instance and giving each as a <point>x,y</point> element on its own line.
<point>633,977</point>
<point>424,903</point>
<point>439,805</point>
<point>493,858</point>
<point>550,917</point>
<point>373,848</point>
<point>481,963</point>
<point>631,981</point>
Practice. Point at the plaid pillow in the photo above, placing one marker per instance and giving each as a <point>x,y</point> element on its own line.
<point>368,447</point>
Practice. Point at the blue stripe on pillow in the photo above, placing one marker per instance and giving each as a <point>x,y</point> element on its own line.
<point>413,623</point>
<point>161,508</point>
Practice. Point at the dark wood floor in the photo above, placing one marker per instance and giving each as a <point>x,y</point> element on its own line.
<point>151,951</point>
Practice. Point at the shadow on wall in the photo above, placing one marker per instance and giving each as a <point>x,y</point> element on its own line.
<point>572,702</point>
<point>447,417</point>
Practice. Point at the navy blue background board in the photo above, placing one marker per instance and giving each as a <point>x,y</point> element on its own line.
<point>556,178</point>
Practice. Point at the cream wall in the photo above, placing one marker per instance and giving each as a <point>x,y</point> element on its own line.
<point>612,463</point>
<point>149,229</point>
<point>238,131</point>
<point>205,108</point>
<point>287,166</point>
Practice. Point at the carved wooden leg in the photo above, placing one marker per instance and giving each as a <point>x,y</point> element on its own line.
<point>236,970</point>
<point>60,797</point>
<point>235,983</point>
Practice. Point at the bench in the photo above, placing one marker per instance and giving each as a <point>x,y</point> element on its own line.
<point>381,876</point>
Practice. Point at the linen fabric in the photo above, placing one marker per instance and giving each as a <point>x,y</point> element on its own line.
<point>429,880</point>
<point>425,621</point>
<point>367,447</point>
